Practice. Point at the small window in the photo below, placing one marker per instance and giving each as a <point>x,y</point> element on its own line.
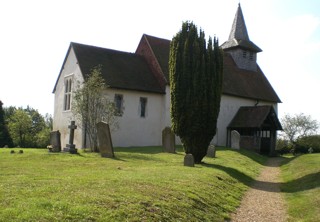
<point>251,56</point>
<point>67,94</point>
<point>143,107</point>
<point>244,54</point>
<point>118,101</point>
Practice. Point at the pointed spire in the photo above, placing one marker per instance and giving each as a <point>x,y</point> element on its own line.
<point>239,29</point>
<point>239,35</point>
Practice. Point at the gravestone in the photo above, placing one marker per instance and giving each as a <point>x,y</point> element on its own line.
<point>235,140</point>
<point>189,160</point>
<point>55,141</point>
<point>168,140</point>
<point>211,152</point>
<point>104,139</point>
<point>71,148</point>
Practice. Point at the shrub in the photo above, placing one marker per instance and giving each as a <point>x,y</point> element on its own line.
<point>304,143</point>
<point>283,146</point>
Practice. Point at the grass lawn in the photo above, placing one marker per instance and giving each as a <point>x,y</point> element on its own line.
<point>301,176</point>
<point>140,184</point>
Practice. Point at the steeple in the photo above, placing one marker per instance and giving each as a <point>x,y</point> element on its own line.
<point>239,29</point>
<point>239,35</point>
<point>243,51</point>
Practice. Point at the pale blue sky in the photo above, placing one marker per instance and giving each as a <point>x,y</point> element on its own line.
<point>36,34</point>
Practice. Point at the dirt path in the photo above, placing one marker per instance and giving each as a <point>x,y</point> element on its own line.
<point>264,201</point>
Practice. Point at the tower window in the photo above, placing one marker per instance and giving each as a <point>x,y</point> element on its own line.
<point>244,54</point>
<point>251,56</point>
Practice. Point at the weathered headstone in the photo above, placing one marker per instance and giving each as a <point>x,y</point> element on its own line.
<point>168,140</point>
<point>211,152</point>
<point>71,148</point>
<point>104,139</point>
<point>235,139</point>
<point>189,160</point>
<point>55,141</point>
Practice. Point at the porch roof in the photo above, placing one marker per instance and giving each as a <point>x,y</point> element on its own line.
<point>259,117</point>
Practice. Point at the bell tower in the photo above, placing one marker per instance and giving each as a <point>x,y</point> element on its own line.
<point>243,51</point>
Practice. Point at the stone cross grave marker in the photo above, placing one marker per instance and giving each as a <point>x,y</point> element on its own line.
<point>55,141</point>
<point>211,152</point>
<point>168,140</point>
<point>235,140</point>
<point>71,147</point>
<point>104,139</point>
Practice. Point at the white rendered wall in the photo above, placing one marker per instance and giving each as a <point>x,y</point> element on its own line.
<point>133,129</point>
<point>61,118</point>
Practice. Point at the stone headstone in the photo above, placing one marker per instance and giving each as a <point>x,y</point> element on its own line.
<point>55,141</point>
<point>189,160</point>
<point>235,140</point>
<point>211,152</point>
<point>104,139</point>
<point>71,148</point>
<point>168,140</point>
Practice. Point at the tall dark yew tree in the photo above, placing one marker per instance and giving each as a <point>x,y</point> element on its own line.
<point>196,69</point>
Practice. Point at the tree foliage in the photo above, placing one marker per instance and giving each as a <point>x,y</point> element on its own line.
<point>298,126</point>
<point>20,126</point>
<point>5,138</point>
<point>27,127</point>
<point>91,105</point>
<point>196,69</point>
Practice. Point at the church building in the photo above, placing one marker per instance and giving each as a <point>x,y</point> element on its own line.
<point>139,85</point>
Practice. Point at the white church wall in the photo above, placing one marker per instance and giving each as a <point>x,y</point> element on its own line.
<point>61,117</point>
<point>135,130</point>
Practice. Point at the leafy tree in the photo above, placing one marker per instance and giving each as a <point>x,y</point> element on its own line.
<point>196,84</point>
<point>19,127</point>
<point>5,138</point>
<point>91,105</point>
<point>298,126</point>
<point>37,127</point>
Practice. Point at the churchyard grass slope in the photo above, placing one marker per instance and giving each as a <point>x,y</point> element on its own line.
<point>139,184</point>
<point>301,185</point>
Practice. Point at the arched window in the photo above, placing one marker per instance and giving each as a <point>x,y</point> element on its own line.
<point>67,94</point>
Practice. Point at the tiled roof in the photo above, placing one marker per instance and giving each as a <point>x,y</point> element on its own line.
<point>256,117</point>
<point>161,49</point>
<point>130,71</point>
<point>120,69</point>
<point>246,83</point>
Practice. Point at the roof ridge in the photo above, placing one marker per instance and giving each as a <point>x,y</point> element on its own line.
<point>99,47</point>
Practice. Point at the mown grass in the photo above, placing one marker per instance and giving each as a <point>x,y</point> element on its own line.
<point>140,184</point>
<point>301,177</point>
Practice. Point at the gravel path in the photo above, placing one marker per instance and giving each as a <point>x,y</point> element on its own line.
<point>264,201</point>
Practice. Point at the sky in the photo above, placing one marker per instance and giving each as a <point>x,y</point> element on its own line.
<point>36,34</point>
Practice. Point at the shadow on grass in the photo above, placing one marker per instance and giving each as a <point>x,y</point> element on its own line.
<point>261,159</point>
<point>236,174</point>
<point>144,150</point>
<point>307,182</point>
